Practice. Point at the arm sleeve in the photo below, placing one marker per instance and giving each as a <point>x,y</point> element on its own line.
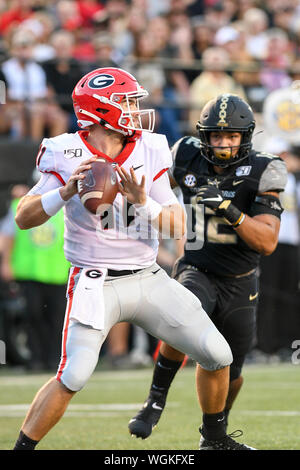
<point>46,183</point>
<point>161,191</point>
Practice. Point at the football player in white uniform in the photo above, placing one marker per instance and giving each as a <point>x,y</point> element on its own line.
<point>114,277</point>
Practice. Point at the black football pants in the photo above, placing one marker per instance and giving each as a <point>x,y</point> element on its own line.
<point>231,304</point>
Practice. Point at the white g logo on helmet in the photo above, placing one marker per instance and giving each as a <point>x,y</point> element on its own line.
<point>103,80</point>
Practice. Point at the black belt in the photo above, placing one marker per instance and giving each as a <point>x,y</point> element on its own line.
<point>126,272</point>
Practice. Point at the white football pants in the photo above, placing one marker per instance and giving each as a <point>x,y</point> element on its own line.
<point>155,302</point>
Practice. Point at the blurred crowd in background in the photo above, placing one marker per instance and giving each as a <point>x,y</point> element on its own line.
<point>184,53</point>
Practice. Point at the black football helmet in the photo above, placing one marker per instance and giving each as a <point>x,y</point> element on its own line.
<point>226,113</point>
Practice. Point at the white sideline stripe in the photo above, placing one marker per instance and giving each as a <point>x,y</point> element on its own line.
<point>83,407</point>
<point>69,414</point>
<point>270,412</point>
<point>80,410</point>
<point>113,409</point>
<point>28,380</point>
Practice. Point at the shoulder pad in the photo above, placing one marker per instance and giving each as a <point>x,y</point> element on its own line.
<point>159,148</point>
<point>274,177</point>
<point>50,150</point>
<point>62,139</point>
<point>154,141</point>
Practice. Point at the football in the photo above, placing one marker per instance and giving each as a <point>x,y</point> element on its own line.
<point>99,188</point>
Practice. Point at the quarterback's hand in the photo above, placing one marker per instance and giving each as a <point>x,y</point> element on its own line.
<point>70,189</point>
<point>130,188</point>
<point>212,197</point>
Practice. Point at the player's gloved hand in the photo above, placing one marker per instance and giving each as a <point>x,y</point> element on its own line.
<point>211,196</point>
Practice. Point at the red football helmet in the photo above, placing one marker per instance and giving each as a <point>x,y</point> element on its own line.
<point>104,96</point>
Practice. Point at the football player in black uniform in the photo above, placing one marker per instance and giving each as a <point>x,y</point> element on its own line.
<point>231,195</point>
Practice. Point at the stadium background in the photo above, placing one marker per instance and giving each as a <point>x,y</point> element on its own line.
<point>183,52</point>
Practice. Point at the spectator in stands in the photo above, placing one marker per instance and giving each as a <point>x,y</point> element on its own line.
<point>87,9</point>
<point>42,25</point>
<point>245,69</point>
<point>244,5</point>
<point>203,37</point>
<point>62,75</point>
<point>26,108</point>
<point>256,22</point>
<point>67,15</point>
<point>153,8</point>
<point>35,259</point>
<point>117,11</point>
<point>176,90</point>
<point>103,51</point>
<point>182,38</point>
<point>18,11</point>
<point>231,9</point>
<point>217,15</point>
<point>213,81</point>
<point>284,15</point>
<point>137,23</point>
<point>277,61</point>
<point>152,75</point>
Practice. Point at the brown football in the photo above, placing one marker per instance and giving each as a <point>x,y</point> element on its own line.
<point>99,188</point>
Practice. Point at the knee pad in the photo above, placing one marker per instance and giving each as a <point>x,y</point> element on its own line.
<point>78,369</point>
<point>217,351</point>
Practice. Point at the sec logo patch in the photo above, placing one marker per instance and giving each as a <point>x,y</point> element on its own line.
<point>190,180</point>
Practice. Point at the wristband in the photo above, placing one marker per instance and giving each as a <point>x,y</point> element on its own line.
<point>240,220</point>
<point>52,202</point>
<point>234,216</point>
<point>150,210</point>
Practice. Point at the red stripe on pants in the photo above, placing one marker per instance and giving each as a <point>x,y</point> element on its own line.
<point>66,326</point>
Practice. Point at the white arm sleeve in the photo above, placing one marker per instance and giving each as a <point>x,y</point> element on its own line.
<point>161,191</point>
<point>46,183</point>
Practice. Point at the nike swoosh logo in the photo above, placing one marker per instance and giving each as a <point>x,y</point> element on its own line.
<point>252,297</point>
<point>216,199</point>
<point>156,407</point>
<point>157,388</point>
<point>234,183</point>
<point>220,420</point>
<point>154,272</point>
<point>163,367</point>
<point>137,167</point>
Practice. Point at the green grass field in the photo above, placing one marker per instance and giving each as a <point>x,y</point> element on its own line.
<point>267,410</point>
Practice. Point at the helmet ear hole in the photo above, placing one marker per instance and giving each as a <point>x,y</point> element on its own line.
<point>101,110</point>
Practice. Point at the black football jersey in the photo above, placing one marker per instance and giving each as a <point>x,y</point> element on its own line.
<point>212,244</point>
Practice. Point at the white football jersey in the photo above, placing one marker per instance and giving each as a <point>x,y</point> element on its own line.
<point>118,240</point>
